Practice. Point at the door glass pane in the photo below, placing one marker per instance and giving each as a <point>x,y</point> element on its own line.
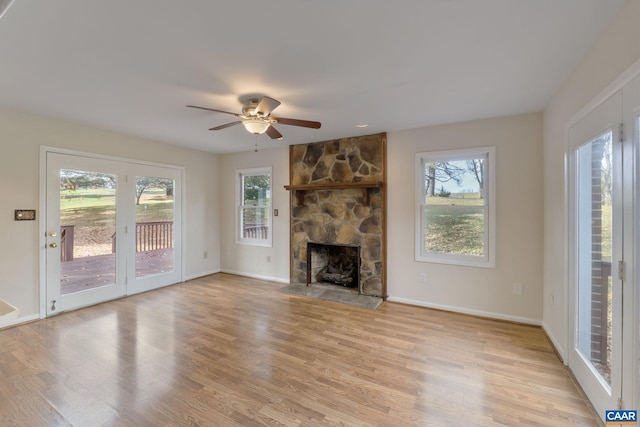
<point>594,253</point>
<point>87,231</point>
<point>154,225</point>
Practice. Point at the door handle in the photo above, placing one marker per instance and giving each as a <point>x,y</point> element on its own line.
<point>53,245</point>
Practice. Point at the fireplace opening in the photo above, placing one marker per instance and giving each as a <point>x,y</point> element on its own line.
<point>336,264</point>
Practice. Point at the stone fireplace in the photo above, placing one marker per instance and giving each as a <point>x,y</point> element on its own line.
<point>338,198</point>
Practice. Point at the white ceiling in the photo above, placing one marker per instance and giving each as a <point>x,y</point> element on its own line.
<point>132,65</point>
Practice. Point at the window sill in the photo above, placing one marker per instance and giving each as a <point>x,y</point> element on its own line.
<point>259,243</point>
<point>460,261</point>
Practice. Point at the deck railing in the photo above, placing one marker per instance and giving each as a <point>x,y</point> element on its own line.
<point>154,235</point>
<point>255,231</point>
<point>150,236</point>
<point>600,328</point>
<point>66,242</point>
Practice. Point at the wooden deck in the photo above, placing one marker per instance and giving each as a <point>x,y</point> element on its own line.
<point>95,271</point>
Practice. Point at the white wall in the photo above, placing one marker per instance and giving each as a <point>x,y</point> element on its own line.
<point>484,291</point>
<point>252,260</point>
<point>21,136</point>
<point>616,50</point>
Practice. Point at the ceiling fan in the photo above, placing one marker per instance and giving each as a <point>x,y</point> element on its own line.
<point>257,119</point>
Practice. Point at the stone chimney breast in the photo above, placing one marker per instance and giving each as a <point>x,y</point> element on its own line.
<point>340,199</point>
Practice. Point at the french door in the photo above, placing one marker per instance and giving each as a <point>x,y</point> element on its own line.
<point>112,229</point>
<point>154,241</point>
<point>601,253</point>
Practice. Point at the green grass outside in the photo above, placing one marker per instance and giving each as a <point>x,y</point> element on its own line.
<point>456,199</point>
<point>93,207</point>
<point>79,199</point>
<point>455,231</point>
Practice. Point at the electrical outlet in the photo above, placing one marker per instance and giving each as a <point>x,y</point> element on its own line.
<point>268,258</point>
<point>518,289</point>
<point>205,254</point>
<point>422,278</point>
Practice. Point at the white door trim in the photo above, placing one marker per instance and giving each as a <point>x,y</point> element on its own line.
<point>44,149</point>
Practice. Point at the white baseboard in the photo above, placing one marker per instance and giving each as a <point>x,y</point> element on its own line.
<point>20,320</point>
<point>479,313</point>
<point>256,276</point>
<point>560,349</point>
<point>197,276</point>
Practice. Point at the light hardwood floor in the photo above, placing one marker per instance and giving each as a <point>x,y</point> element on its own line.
<point>225,350</point>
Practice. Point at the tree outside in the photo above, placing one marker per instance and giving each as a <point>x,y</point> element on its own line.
<point>144,183</point>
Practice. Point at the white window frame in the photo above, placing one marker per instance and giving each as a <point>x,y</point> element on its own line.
<point>488,260</point>
<point>240,173</point>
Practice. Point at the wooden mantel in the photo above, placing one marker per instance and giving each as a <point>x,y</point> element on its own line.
<point>302,188</point>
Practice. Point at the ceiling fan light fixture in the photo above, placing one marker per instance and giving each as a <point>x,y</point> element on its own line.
<point>256,126</point>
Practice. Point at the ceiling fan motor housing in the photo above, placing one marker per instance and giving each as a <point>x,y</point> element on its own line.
<point>249,108</point>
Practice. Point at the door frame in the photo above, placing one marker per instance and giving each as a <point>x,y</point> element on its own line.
<point>631,246</point>
<point>607,117</point>
<point>42,240</point>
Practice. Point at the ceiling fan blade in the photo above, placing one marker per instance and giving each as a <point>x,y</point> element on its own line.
<point>225,126</point>
<point>273,133</point>
<point>296,122</point>
<point>266,106</point>
<point>213,109</point>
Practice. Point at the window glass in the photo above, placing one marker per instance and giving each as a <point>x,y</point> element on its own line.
<point>454,222</point>
<point>255,206</point>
